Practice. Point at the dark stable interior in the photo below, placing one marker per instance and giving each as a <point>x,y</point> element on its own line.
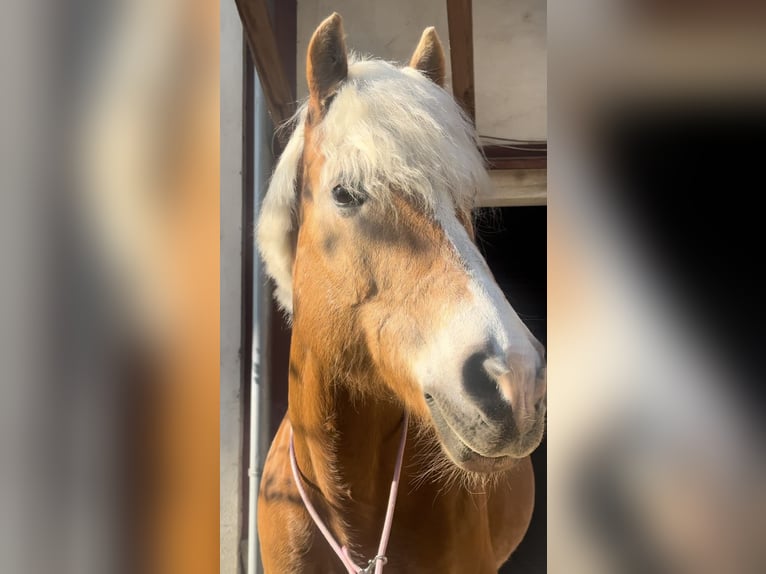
<point>513,240</point>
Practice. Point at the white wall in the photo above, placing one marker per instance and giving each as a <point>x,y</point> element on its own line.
<point>510,56</point>
<point>231,280</point>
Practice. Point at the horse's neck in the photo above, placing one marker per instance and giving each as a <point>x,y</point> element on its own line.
<point>345,442</point>
<point>346,446</point>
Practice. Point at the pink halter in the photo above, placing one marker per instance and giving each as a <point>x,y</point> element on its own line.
<point>380,558</point>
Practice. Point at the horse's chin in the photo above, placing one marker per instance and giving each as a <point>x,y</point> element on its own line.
<point>471,461</point>
<point>467,459</point>
<point>464,457</point>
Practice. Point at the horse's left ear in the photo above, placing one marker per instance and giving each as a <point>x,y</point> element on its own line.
<point>326,61</point>
<point>429,57</point>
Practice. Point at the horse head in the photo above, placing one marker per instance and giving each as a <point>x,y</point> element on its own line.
<point>366,230</point>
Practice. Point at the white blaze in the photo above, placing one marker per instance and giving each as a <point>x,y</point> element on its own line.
<point>485,323</point>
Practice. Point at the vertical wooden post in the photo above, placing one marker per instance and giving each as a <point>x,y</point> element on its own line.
<point>460,20</point>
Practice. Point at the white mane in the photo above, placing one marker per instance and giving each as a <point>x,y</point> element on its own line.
<point>388,128</point>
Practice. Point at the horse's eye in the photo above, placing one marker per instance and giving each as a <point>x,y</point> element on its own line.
<point>345,198</point>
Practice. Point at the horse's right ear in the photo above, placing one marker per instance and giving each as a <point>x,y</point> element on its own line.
<point>326,62</point>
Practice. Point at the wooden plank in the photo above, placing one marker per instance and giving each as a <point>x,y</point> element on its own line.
<point>460,21</point>
<point>279,334</point>
<point>518,163</point>
<point>286,32</point>
<point>518,156</point>
<point>517,187</point>
<point>263,46</point>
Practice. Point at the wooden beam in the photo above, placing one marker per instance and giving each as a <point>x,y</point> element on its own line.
<point>460,20</point>
<point>518,156</point>
<point>286,32</point>
<point>516,187</point>
<point>263,47</point>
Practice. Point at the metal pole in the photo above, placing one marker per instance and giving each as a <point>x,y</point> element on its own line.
<point>259,419</point>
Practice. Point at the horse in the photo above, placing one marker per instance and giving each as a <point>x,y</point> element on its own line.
<point>405,354</point>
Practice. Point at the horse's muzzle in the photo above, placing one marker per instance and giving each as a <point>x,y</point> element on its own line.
<point>499,416</point>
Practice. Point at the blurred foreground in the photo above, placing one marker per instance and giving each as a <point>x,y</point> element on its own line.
<point>109,440</point>
<point>658,126</point>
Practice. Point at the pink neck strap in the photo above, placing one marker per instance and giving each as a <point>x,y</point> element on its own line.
<point>380,558</point>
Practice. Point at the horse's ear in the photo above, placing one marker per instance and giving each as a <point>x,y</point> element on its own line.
<point>429,57</point>
<point>326,61</point>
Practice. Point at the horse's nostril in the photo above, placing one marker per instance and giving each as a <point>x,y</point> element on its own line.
<point>481,385</point>
<point>428,397</point>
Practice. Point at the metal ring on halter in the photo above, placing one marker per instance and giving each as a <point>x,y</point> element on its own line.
<point>371,564</point>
